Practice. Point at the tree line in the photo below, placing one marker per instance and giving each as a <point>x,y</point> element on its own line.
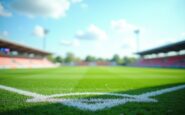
<point>70,57</point>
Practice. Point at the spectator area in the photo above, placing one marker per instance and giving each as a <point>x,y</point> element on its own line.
<point>172,61</point>
<point>13,55</point>
<point>17,62</point>
<point>175,61</point>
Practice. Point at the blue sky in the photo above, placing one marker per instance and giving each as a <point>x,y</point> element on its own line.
<point>93,27</point>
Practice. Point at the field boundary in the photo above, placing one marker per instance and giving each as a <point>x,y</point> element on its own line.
<point>92,104</point>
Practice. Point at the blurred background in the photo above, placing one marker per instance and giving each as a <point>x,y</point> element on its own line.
<point>50,33</point>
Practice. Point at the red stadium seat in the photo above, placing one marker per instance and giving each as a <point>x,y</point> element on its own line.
<point>172,61</point>
<point>19,62</point>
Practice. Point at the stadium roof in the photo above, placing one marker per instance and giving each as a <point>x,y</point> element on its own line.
<point>178,46</point>
<point>21,48</point>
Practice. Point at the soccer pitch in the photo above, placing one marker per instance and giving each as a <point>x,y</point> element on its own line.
<point>93,90</point>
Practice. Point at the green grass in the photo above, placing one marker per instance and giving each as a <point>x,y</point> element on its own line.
<point>93,79</point>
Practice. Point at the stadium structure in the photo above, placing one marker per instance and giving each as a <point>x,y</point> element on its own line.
<point>173,56</point>
<point>113,90</point>
<point>14,55</point>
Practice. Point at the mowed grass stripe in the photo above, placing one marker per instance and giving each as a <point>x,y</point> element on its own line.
<point>80,79</point>
<point>49,82</point>
<point>92,79</point>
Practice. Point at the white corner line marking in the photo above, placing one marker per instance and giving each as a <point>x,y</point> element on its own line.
<point>92,104</point>
<point>21,92</point>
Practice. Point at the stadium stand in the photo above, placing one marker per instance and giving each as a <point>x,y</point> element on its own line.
<point>175,61</point>
<point>13,55</point>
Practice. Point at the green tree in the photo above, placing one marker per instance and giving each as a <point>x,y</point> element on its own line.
<point>90,58</point>
<point>51,58</point>
<point>117,59</point>
<point>128,60</point>
<point>58,59</point>
<point>70,57</point>
<point>77,59</point>
<point>100,59</point>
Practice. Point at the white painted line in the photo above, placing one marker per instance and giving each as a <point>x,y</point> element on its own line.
<point>21,92</point>
<point>162,91</point>
<point>93,104</point>
<point>102,103</point>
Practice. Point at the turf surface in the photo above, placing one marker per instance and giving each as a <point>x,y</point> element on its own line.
<point>93,79</point>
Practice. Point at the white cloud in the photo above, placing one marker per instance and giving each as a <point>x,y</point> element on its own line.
<point>39,31</point>
<point>122,26</point>
<point>45,8</point>
<point>129,44</point>
<point>147,44</point>
<point>76,1</point>
<point>84,5</point>
<point>125,36</point>
<point>4,33</point>
<point>3,12</point>
<point>183,34</point>
<point>92,33</point>
<point>74,43</point>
